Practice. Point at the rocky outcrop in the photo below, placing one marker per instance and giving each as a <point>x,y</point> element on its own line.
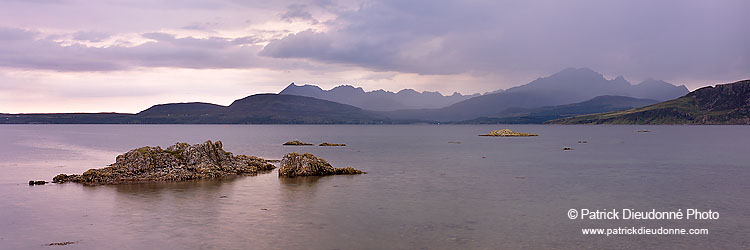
<point>179,162</point>
<point>507,132</point>
<point>294,164</point>
<point>297,143</point>
<point>325,144</point>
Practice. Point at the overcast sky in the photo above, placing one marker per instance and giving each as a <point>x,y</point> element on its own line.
<point>124,56</point>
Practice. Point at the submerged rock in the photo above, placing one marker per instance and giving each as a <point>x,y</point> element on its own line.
<point>294,164</point>
<point>33,182</point>
<point>297,143</point>
<point>179,162</point>
<point>64,243</point>
<point>325,144</point>
<point>507,132</point>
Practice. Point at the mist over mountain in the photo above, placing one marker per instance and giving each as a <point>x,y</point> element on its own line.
<point>378,100</point>
<point>579,84</point>
<point>568,86</point>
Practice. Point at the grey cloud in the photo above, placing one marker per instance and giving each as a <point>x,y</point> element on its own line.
<point>284,4</point>
<point>90,36</point>
<point>158,36</point>
<point>247,40</point>
<point>662,39</point>
<point>205,26</point>
<point>11,34</point>
<point>39,1</point>
<point>298,12</point>
<point>23,50</point>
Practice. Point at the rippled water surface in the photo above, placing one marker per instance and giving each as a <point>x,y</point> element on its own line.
<point>422,192</point>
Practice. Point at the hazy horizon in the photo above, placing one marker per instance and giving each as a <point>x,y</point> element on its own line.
<point>114,56</point>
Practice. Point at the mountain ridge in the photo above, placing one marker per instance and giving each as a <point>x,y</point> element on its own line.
<point>571,85</point>
<point>254,109</point>
<point>377,100</point>
<point>721,104</point>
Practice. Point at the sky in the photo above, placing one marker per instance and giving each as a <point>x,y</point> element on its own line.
<point>126,55</point>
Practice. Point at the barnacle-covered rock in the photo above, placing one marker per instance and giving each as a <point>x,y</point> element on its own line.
<point>294,164</point>
<point>179,162</point>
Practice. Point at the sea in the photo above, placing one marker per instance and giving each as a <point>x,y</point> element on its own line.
<point>427,187</point>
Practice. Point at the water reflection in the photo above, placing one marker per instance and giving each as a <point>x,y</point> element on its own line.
<point>306,181</point>
<point>403,203</point>
<point>197,214</point>
<point>302,189</point>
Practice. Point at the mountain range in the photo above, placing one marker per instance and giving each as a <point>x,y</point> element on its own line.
<point>720,104</point>
<point>255,109</point>
<point>573,91</point>
<point>378,100</point>
<point>571,85</point>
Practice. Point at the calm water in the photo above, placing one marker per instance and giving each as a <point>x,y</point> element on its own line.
<point>422,192</point>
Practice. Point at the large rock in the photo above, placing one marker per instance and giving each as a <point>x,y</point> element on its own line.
<point>179,162</point>
<point>294,164</point>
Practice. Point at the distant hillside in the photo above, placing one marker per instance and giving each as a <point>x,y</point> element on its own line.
<point>255,109</point>
<point>274,108</point>
<point>378,100</point>
<point>568,86</point>
<point>540,115</point>
<point>722,104</point>
<point>67,118</point>
<point>180,109</point>
<point>540,100</point>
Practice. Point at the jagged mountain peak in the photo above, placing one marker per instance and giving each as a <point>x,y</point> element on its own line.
<point>378,100</point>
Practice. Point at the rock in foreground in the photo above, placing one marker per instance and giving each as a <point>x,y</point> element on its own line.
<point>179,162</point>
<point>294,164</point>
<point>507,132</point>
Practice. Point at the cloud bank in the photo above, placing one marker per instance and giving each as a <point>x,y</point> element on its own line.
<point>451,45</point>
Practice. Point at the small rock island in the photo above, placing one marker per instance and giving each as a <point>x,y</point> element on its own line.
<point>294,164</point>
<point>179,162</point>
<point>507,132</point>
<point>297,143</point>
<point>325,144</point>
